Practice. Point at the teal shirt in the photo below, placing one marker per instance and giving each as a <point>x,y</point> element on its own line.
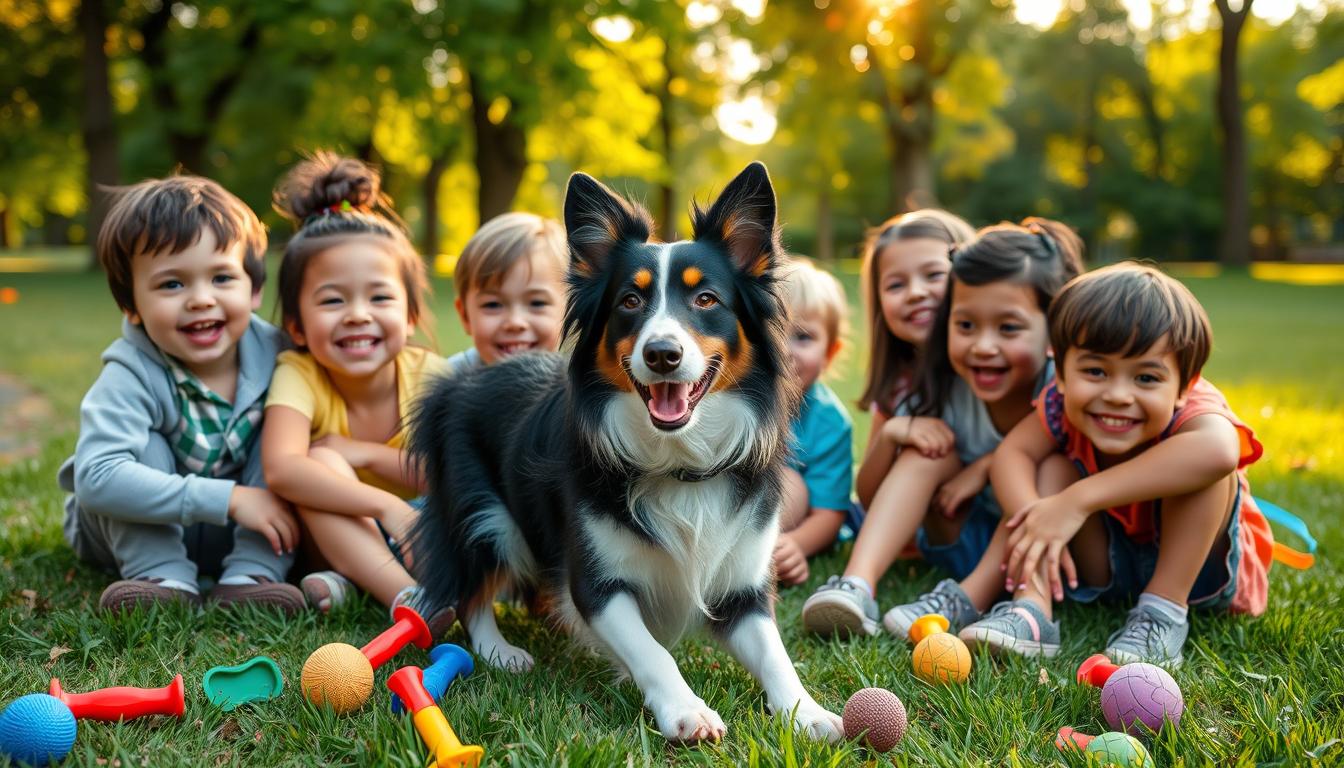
<point>823,448</point>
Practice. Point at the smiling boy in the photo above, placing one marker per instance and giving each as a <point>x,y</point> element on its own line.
<point>1163,509</point>
<point>166,479</point>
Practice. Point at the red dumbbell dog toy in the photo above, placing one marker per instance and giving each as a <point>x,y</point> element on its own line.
<point>123,703</point>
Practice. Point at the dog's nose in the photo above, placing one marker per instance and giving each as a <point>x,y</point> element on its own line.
<point>662,355</point>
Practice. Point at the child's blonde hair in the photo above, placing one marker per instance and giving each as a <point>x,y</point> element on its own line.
<point>331,198</point>
<point>888,356</point>
<point>502,242</point>
<point>810,290</point>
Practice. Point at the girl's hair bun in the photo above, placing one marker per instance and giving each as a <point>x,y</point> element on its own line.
<point>326,181</point>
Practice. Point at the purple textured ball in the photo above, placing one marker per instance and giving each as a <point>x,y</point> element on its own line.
<point>1141,693</point>
<point>37,729</point>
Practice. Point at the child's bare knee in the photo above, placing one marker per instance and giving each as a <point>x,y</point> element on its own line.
<point>1055,474</point>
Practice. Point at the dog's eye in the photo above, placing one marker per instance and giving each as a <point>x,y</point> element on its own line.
<point>631,301</point>
<point>706,300</point>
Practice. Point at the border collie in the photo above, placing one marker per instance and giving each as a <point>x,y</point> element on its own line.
<point>635,483</point>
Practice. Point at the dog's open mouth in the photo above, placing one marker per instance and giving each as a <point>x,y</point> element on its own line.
<point>671,403</point>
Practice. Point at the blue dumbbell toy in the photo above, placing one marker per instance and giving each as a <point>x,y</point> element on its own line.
<point>37,729</point>
<point>447,663</point>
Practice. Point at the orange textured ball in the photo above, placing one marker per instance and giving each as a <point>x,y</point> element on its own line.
<point>941,658</point>
<point>339,675</point>
<point>878,715</point>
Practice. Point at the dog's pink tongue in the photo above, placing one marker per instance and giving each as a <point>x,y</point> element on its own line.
<point>669,400</point>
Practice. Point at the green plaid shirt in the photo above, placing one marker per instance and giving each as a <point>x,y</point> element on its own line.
<point>209,439</point>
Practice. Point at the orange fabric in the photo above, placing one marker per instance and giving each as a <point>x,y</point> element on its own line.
<point>1253,533</point>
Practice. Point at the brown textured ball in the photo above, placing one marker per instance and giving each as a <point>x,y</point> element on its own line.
<point>339,675</point>
<point>878,712</point>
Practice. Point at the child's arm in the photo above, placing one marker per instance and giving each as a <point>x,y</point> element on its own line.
<point>963,486</point>
<point>379,458</point>
<point>306,482</point>
<point>1203,451</point>
<point>931,437</point>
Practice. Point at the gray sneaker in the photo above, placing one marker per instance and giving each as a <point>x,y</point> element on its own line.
<point>947,599</point>
<point>840,607</point>
<point>1018,626</point>
<point>1148,635</point>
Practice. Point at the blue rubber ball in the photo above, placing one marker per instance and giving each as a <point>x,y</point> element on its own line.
<point>37,729</point>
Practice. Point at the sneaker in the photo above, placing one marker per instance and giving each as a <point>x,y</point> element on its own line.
<point>266,591</point>
<point>129,593</point>
<point>947,599</point>
<point>840,607</point>
<point>1018,626</point>
<point>326,590</point>
<point>439,621</point>
<point>1148,635</point>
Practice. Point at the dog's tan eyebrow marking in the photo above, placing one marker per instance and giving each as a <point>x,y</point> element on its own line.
<point>691,276</point>
<point>643,278</point>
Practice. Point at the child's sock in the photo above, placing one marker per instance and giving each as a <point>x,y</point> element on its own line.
<point>1176,613</point>
<point>230,581</point>
<point>181,586</point>
<point>859,581</point>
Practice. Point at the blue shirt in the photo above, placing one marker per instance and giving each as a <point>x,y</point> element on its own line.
<point>823,448</point>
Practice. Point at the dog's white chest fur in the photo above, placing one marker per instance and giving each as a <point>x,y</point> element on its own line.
<point>699,547</point>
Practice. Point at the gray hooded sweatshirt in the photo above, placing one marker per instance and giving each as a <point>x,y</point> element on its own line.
<point>134,397</point>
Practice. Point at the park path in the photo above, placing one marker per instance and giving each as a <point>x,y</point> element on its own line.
<point>21,411</point>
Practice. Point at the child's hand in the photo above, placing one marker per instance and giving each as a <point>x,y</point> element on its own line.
<point>960,489</point>
<point>355,452</point>
<point>257,509</point>
<point>931,437</point>
<point>790,562</point>
<point>398,520</point>
<point>1043,528</point>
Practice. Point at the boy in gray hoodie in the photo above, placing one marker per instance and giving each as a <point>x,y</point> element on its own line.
<point>166,477</point>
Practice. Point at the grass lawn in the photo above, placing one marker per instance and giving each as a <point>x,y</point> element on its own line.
<point>1265,691</point>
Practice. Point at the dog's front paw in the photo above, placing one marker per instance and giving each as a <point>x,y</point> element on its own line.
<point>507,657</point>
<point>815,722</point>
<point>689,721</point>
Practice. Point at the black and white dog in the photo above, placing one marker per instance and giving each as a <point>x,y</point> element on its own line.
<point>636,483</point>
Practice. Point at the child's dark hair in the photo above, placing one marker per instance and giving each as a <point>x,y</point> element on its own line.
<point>889,356</point>
<point>1039,253</point>
<point>165,216</point>
<point>331,198</point>
<point>1127,308</point>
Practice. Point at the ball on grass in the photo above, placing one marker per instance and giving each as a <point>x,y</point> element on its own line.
<point>339,675</point>
<point>878,715</point>
<point>941,658</point>
<point>1141,694</point>
<point>1120,749</point>
<point>37,729</point>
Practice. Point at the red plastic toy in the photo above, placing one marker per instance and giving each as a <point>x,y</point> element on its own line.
<point>123,703</point>
<point>445,748</point>
<point>341,676</point>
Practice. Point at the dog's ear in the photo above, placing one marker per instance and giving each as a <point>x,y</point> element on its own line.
<point>743,219</point>
<point>596,219</point>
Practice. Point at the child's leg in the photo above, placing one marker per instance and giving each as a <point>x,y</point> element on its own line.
<point>353,545</point>
<point>1189,526</point>
<point>898,508</point>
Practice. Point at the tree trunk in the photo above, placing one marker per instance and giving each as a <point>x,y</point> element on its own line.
<point>1091,223</point>
<point>1235,241</point>
<point>429,186</point>
<point>99,123</point>
<point>825,248</point>
<point>4,227</point>
<point>911,178</point>
<point>667,226</point>
<point>501,156</point>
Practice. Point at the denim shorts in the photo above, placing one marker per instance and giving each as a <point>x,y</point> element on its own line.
<point>961,556</point>
<point>1133,564</point>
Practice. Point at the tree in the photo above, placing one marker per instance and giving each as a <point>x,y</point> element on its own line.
<point>99,121</point>
<point>1234,243</point>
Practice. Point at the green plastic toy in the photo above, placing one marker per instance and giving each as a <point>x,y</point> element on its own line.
<point>256,679</point>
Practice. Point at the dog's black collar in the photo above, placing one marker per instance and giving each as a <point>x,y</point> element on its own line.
<point>687,476</point>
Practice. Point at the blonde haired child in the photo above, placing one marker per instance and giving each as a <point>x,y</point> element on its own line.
<point>1163,509</point>
<point>352,292</point>
<point>510,288</point>
<point>817,484</point>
